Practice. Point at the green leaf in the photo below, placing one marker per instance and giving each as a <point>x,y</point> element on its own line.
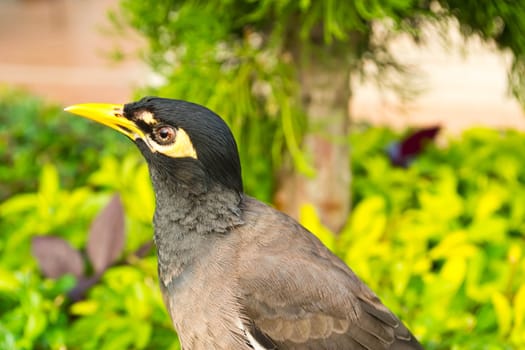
<point>299,159</point>
<point>49,183</point>
<point>7,339</point>
<point>455,244</point>
<point>453,273</point>
<point>489,202</point>
<point>35,325</point>
<point>309,219</point>
<point>18,204</point>
<point>519,310</point>
<point>8,281</point>
<point>142,332</point>
<point>84,307</point>
<point>503,313</point>
<point>304,4</point>
<point>369,219</point>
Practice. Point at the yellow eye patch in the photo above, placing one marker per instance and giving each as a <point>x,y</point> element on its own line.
<point>182,147</point>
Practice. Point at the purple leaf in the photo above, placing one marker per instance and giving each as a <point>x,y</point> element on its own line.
<point>56,257</point>
<point>144,249</point>
<point>106,236</point>
<point>83,285</point>
<point>414,143</point>
<point>403,152</point>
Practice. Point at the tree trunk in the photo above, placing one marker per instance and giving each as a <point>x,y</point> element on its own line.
<point>325,92</point>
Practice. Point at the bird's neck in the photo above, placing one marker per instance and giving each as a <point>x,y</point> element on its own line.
<point>188,223</point>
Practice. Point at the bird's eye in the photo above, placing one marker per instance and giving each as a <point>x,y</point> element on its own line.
<point>165,135</point>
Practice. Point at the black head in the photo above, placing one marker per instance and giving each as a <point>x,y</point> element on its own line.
<point>183,142</point>
<point>186,142</point>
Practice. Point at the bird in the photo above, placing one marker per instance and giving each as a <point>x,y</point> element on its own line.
<point>236,273</point>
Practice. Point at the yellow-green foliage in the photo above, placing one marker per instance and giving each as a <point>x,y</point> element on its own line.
<point>33,133</point>
<point>442,242</point>
<point>122,311</point>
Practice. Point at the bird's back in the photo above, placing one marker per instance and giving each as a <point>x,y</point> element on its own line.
<point>299,295</point>
<point>271,284</point>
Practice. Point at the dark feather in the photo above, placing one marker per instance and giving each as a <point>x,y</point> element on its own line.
<point>302,296</point>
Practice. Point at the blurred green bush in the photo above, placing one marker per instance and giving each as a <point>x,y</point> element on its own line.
<point>29,130</point>
<point>441,242</point>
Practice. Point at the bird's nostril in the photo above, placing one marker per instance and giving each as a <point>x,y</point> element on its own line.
<point>123,128</point>
<point>117,112</point>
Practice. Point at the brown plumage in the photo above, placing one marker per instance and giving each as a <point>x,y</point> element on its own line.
<point>285,287</point>
<point>235,273</point>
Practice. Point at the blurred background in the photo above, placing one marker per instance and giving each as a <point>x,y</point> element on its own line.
<point>393,130</point>
<point>62,50</point>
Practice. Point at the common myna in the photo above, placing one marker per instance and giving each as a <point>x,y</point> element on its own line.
<point>234,272</point>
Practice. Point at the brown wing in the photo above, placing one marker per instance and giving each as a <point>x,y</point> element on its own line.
<point>298,295</point>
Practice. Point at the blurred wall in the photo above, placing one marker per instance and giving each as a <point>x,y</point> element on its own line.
<point>460,85</point>
<point>60,50</point>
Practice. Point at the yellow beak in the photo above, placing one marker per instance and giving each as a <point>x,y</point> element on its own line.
<point>110,115</point>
